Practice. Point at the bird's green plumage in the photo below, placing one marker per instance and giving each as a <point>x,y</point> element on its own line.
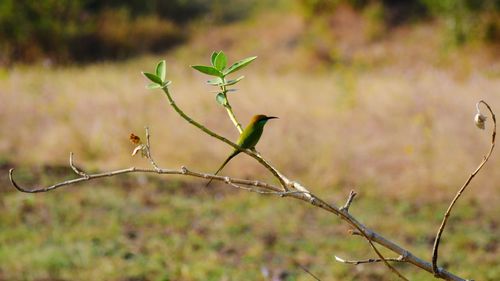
<point>248,138</point>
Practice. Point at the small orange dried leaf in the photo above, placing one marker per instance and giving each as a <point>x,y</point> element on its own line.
<point>135,139</point>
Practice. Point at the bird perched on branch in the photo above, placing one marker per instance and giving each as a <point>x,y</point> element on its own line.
<point>248,138</point>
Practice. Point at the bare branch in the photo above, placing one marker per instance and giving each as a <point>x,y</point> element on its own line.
<point>252,185</point>
<point>356,262</point>
<point>368,234</point>
<point>369,238</point>
<point>437,272</point>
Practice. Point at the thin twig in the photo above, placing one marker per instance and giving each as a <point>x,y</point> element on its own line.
<point>435,248</point>
<point>74,168</point>
<point>307,271</point>
<point>356,262</point>
<point>148,150</point>
<point>348,203</point>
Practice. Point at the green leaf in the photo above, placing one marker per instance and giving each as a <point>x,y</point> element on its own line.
<point>209,70</point>
<point>168,82</point>
<point>212,58</point>
<point>238,65</point>
<point>220,61</point>
<point>152,86</point>
<point>216,81</point>
<point>234,81</point>
<point>161,70</point>
<point>221,99</point>
<point>153,78</point>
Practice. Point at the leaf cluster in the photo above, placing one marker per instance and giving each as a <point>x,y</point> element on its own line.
<point>219,68</point>
<point>158,79</point>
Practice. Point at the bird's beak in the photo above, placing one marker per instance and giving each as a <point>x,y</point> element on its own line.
<point>272,117</point>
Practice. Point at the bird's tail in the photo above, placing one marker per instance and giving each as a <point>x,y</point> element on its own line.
<point>223,165</point>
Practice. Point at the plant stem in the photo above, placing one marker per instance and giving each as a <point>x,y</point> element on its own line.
<point>229,109</point>
<point>230,112</point>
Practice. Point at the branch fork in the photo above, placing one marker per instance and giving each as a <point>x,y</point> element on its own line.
<point>349,201</point>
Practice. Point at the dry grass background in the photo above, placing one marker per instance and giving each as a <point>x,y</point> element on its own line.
<point>393,121</point>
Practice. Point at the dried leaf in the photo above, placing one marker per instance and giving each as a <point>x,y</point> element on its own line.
<point>134,139</point>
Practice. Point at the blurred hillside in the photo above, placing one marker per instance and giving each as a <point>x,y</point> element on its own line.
<point>65,31</point>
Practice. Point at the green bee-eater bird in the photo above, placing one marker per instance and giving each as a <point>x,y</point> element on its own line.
<point>248,138</point>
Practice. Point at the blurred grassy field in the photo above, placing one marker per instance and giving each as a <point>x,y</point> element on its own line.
<point>390,119</point>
